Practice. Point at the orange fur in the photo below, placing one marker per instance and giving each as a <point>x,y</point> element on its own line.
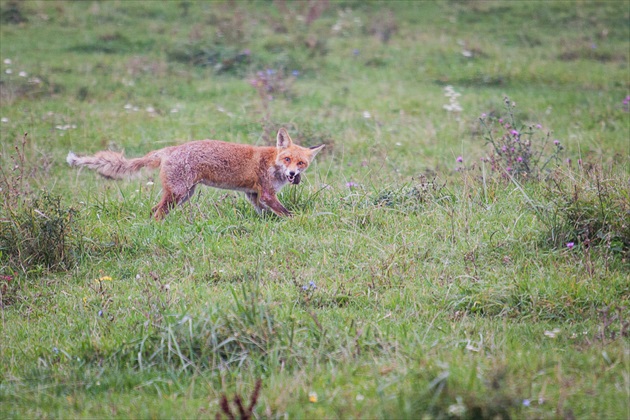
<point>258,171</point>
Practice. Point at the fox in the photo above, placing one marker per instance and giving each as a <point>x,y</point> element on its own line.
<point>258,171</point>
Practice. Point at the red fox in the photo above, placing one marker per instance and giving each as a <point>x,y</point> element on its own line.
<point>258,171</point>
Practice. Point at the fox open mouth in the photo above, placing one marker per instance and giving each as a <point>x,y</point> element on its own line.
<point>295,179</point>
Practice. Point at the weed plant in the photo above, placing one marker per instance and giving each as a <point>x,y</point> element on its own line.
<point>590,207</point>
<point>518,150</point>
<point>37,230</point>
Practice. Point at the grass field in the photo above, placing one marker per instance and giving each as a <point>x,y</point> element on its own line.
<point>460,249</point>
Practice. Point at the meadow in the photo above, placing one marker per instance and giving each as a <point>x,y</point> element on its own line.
<point>460,248</point>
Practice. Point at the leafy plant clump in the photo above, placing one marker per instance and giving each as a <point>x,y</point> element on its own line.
<point>36,229</point>
<point>223,59</point>
<point>590,208</point>
<point>247,329</point>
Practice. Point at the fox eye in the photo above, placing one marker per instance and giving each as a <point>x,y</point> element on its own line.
<point>300,163</point>
<point>287,159</point>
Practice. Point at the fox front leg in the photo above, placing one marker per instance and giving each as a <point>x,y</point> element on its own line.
<point>270,200</point>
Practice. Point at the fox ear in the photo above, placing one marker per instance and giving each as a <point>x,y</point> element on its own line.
<point>283,139</point>
<point>315,150</point>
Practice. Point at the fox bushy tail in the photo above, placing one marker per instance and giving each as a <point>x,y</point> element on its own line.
<point>114,165</point>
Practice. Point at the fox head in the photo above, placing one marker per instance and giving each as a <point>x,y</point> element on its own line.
<point>293,159</point>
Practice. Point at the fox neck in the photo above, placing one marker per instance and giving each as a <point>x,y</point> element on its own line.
<point>278,177</point>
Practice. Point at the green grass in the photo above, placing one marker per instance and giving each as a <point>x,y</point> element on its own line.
<point>408,285</point>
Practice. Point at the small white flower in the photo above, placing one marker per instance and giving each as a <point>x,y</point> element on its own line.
<point>458,409</point>
<point>552,333</point>
<point>149,183</point>
<point>8,71</point>
<point>128,106</point>
<point>34,80</point>
<point>150,109</point>
<point>22,74</point>
<point>7,61</point>
<point>470,347</point>
<point>398,143</point>
<point>453,105</point>
<point>174,111</point>
<point>367,115</point>
<point>4,120</point>
<point>360,397</point>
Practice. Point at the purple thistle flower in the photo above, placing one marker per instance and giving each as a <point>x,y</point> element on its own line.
<point>556,142</point>
<point>515,133</point>
<point>570,245</point>
<point>459,159</point>
<point>351,184</point>
<point>538,126</point>
<point>519,159</point>
<point>509,169</point>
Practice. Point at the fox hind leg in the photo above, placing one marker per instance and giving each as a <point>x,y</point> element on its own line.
<point>253,198</point>
<point>169,200</point>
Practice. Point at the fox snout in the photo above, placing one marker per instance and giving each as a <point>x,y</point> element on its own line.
<point>294,177</point>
